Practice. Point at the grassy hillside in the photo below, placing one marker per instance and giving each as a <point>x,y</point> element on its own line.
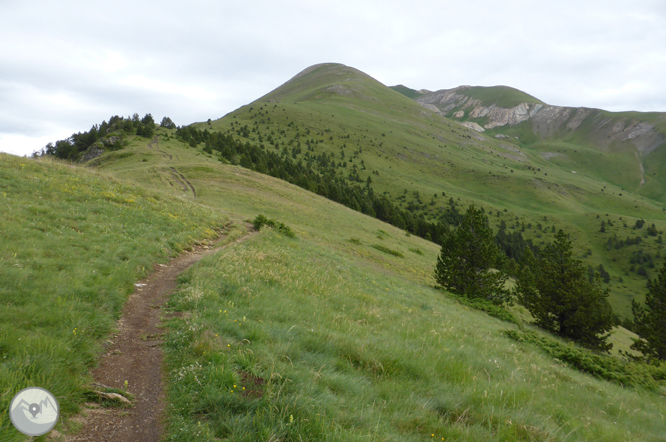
<point>424,163</point>
<point>640,137</point>
<point>291,340</point>
<point>502,96</point>
<point>325,337</point>
<point>407,92</point>
<point>73,244</point>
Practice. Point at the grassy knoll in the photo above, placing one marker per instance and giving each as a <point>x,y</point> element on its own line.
<point>407,92</point>
<point>73,244</point>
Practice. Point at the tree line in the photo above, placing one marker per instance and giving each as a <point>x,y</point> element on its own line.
<point>317,174</point>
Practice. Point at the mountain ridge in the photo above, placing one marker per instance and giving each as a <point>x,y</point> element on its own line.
<point>549,121</point>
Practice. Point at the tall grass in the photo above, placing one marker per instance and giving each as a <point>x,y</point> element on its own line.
<point>289,340</point>
<point>72,245</point>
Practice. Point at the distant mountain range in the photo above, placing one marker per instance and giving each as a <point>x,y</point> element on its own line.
<point>508,113</point>
<point>503,108</point>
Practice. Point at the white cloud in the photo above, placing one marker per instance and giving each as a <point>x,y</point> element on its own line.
<point>186,91</point>
<point>111,61</point>
<point>71,64</point>
<point>21,145</point>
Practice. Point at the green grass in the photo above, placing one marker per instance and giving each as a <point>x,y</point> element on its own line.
<point>502,96</point>
<point>297,341</point>
<point>407,92</point>
<point>73,244</point>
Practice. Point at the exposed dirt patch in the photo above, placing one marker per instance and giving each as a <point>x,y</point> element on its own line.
<point>185,183</point>
<point>154,146</point>
<point>549,155</point>
<point>640,164</point>
<point>175,176</point>
<point>254,384</point>
<point>134,355</point>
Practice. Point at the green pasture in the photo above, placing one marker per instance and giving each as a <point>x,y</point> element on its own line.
<point>73,245</point>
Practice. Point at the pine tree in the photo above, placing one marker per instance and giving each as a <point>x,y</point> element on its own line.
<point>168,123</point>
<point>556,290</point>
<point>468,256</point>
<point>650,321</point>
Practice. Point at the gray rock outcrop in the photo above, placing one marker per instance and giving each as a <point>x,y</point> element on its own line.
<point>92,152</point>
<point>604,129</point>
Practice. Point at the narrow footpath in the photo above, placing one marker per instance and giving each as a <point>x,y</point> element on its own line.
<point>135,355</point>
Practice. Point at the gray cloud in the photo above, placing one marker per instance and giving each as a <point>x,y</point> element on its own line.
<point>68,65</point>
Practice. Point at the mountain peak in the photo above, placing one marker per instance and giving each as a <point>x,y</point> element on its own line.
<point>408,92</point>
<point>501,96</point>
<point>322,77</point>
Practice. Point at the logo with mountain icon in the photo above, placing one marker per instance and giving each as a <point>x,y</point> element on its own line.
<point>34,411</point>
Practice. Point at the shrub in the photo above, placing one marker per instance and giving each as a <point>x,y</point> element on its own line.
<point>625,373</point>
<point>281,227</point>
<point>387,250</point>
<point>491,308</point>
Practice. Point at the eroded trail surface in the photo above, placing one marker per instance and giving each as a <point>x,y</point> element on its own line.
<point>135,356</point>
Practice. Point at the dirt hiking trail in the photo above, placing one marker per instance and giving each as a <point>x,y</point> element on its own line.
<point>134,355</point>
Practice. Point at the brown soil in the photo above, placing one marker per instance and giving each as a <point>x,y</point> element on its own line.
<point>134,355</point>
<point>185,183</point>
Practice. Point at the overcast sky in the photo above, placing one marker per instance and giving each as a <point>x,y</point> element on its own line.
<point>67,65</point>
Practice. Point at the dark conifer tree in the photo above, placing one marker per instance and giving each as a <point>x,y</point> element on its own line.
<point>650,320</point>
<point>469,254</point>
<point>555,288</point>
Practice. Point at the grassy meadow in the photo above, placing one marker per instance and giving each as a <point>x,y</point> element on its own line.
<point>287,339</point>
<point>73,245</point>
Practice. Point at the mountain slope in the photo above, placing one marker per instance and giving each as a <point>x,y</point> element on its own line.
<point>407,92</point>
<point>432,166</point>
<point>328,337</point>
<point>640,138</point>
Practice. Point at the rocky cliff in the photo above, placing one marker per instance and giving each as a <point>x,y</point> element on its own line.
<point>643,132</point>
